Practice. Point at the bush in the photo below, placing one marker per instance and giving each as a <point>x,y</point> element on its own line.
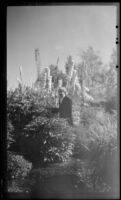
<point>17,166</point>
<point>49,140</point>
<point>17,170</point>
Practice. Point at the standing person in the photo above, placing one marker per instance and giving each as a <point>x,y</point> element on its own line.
<point>65,105</point>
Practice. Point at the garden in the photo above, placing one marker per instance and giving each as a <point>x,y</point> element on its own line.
<point>49,158</point>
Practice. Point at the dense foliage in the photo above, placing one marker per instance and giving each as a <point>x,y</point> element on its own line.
<point>40,136</point>
<point>17,166</point>
<point>97,142</point>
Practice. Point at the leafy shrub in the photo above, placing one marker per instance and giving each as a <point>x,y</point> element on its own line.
<point>48,140</point>
<point>17,166</point>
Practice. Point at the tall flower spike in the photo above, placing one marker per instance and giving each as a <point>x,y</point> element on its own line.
<point>45,79</point>
<point>71,71</point>
<point>38,63</point>
<point>21,73</point>
<point>49,79</point>
<point>49,83</point>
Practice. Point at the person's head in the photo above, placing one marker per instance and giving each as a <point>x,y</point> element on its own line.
<point>62,92</point>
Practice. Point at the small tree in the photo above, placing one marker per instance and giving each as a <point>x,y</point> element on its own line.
<point>92,64</point>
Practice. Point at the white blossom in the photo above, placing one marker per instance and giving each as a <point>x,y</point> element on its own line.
<point>44,79</point>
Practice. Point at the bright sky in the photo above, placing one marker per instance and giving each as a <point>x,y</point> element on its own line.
<point>56,31</point>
